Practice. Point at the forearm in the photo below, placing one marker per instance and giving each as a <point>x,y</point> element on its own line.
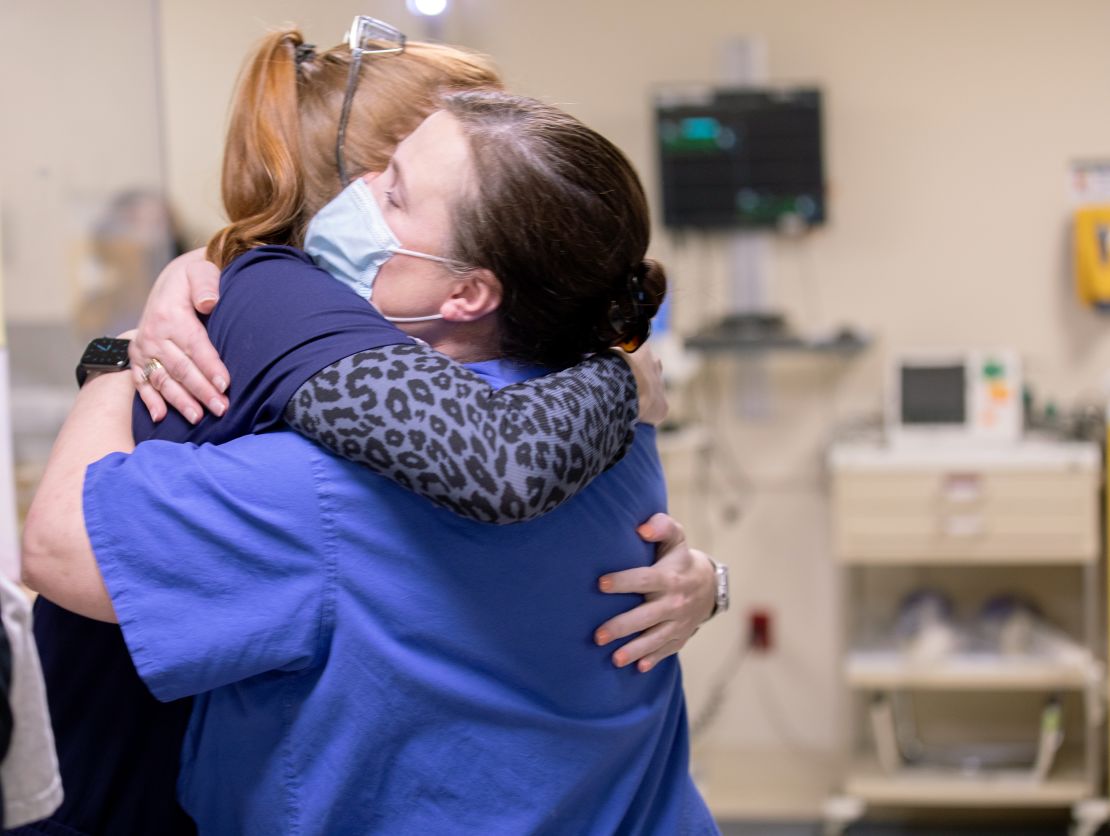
<point>440,430</point>
<point>58,560</point>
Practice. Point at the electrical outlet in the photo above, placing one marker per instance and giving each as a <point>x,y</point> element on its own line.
<point>759,631</point>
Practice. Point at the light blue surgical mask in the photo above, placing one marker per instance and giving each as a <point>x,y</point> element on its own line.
<point>350,239</point>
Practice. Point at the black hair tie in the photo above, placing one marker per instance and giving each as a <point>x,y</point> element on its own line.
<point>304,52</point>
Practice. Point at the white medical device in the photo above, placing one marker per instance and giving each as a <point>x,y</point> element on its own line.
<point>954,396</point>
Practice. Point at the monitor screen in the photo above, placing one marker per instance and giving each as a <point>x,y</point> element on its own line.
<point>934,395</point>
<point>741,157</point>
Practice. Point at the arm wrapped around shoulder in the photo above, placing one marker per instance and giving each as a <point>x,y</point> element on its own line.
<point>437,428</point>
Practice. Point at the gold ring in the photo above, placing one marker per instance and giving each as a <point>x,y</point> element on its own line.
<point>152,365</point>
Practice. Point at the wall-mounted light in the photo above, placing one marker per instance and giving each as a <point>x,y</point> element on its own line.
<point>427,8</point>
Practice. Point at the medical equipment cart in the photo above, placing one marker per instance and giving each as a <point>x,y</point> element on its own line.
<point>966,524</point>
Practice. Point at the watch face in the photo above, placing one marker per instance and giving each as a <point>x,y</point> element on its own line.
<point>106,352</point>
<point>102,355</point>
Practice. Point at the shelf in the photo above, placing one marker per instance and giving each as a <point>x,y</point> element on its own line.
<point>986,509</point>
<point>734,336</point>
<point>966,559</point>
<point>1033,453</point>
<point>927,787</point>
<point>890,670</point>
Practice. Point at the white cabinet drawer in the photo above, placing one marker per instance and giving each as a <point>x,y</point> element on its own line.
<point>942,516</point>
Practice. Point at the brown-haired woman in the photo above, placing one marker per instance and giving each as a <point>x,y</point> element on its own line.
<point>278,167</point>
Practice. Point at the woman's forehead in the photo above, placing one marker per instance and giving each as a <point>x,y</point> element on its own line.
<point>437,152</point>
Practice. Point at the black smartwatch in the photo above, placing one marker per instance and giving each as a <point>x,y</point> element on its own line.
<point>104,354</point>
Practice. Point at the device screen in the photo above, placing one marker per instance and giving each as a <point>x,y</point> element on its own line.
<point>934,395</point>
<point>743,158</point>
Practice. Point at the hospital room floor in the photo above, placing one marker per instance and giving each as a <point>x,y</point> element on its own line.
<point>754,828</point>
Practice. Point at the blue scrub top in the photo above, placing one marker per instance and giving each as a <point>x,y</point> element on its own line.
<point>369,663</point>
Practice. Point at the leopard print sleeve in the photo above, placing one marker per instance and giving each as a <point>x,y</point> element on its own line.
<point>437,428</point>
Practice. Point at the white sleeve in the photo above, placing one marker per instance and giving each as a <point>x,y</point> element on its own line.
<point>29,773</point>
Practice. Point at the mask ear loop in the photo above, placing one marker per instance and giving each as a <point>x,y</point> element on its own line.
<point>428,257</point>
<point>454,266</point>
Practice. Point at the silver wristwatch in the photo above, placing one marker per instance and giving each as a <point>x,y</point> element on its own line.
<point>720,604</point>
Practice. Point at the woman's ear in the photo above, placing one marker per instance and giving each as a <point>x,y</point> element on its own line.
<point>474,296</point>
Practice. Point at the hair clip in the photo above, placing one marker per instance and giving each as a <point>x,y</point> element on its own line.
<point>304,52</point>
<point>617,317</point>
<point>636,285</point>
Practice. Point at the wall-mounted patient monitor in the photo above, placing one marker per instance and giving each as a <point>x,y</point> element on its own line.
<point>1091,247</point>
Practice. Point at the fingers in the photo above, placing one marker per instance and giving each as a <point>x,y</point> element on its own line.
<point>183,382</point>
<point>705,590</point>
<point>649,648</point>
<point>170,331</point>
<point>662,528</point>
<point>648,373</point>
<point>204,285</point>
<point>680,589</point>
<point>157,388</point>
<point>640,580</point>
<point>207,364</point>
<point>650,660</point>
<point>153,402</point>
<point>642,618</point>
<point>194,383</point>
<point>173,381</point>
<point>180,400</point>
<point>190,359</point>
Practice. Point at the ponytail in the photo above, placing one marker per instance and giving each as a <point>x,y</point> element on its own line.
<point>263,182</point>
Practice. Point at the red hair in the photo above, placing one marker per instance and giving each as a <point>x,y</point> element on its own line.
<point>279,163</point>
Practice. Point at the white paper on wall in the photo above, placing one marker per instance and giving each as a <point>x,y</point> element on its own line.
<point>1089,182</point>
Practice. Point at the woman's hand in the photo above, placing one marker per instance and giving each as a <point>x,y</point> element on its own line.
<point>648,372</point>
<point>189,371</point>
<point>679,591</point>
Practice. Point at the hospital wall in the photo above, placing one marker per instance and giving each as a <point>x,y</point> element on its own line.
<point>949,129</point>
<point>80,91</point>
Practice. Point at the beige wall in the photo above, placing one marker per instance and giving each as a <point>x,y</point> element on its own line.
<point>78,93</point>
<point>949,125</point>
<point>949,129</point>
